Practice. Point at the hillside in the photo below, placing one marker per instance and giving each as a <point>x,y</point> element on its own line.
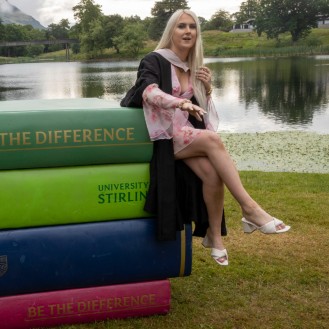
<point>217,43</point>
<point>10,14</point>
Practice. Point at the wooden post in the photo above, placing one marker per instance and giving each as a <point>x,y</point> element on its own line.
<point>67,50</point>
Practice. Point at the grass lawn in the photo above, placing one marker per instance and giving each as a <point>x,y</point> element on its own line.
<point>230,44</point>
<point>273,281</point>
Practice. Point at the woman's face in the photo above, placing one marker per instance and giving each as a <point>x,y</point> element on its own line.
<point>184,35</point>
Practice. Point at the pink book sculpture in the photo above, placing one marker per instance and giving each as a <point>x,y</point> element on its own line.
<point>85,305</point>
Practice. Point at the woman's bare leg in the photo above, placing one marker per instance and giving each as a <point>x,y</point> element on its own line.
<point>213,195</point>
<point>208,144</point>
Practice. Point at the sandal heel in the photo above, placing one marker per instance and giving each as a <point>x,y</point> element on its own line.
<point>248,227</point>
<point>205,242</point>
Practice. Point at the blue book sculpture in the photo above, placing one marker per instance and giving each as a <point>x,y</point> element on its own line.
<point>91,254</point>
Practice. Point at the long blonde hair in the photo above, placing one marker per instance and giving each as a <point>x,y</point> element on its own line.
<point>195,56</point>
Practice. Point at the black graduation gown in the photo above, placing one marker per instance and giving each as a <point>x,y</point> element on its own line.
<point>175,193</point>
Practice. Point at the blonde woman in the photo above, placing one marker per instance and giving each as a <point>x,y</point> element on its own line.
<point>174,89</point>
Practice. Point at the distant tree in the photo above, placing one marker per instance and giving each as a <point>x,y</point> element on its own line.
<point>74,34</point>
<point>147,21</point>
<point>2,31</point>
<point>221,20</point>
<point>132,39</point>
<point>57,31</point>
<point>15,32</point>
<point>34,34</point>
<point>2,38</point>
<point>96,34</point>
<point>135,19</point>
<point>89,19</point>
<point>85,12</point>
<point>93,41</point>
<point>202,22</point>
<point>248,10</point>
<point>113,26</point>
<point>324,7</point>
<point>161,12</point>
<point>297,17</point>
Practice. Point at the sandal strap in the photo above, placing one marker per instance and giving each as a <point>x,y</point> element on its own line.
<point>218,253</point>
<point>277,221</point>
<point>271,227</point>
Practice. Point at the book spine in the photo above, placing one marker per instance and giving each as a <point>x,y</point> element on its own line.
<point>92,254</point>
<point>54,196</point>
<point>84,305</point>
<point>57,137</point>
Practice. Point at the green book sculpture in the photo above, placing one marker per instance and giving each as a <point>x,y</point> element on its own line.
<point>68,132</point>
<point>66,195</point>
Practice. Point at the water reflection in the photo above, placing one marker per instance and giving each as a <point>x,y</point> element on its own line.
<point>62,80</point>
<point>252,95</point>
<point>290,91</point>
<point>108,85</point>
<point>40,81</point>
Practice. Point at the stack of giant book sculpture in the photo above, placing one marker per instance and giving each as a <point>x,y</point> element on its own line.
<point>76,245</point>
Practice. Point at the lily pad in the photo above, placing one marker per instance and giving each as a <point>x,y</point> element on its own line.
<point>291,151</point>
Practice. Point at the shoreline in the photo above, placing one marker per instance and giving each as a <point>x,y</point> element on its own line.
<point>290,151</point>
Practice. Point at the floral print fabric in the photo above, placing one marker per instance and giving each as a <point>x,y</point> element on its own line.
<point>165,120</point>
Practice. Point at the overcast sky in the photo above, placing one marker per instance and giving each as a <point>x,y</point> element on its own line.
<point>52,11</point>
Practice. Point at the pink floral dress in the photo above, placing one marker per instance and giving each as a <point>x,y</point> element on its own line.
<point>165,120</point>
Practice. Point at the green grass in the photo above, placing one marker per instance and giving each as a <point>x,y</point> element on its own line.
<point>15,60</point>
<point>230,44</point>
<point>273,281</point>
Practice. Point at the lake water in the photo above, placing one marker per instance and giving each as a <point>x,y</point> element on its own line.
<point>251,95</point>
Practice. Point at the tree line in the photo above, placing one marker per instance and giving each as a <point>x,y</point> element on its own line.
<point>97,32</point>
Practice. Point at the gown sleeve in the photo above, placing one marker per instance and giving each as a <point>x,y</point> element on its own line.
<point>159,111</point>
<point>148,73</point>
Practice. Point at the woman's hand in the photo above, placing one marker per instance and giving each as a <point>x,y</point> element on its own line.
<point>195,110</point>
<point>204,74</point>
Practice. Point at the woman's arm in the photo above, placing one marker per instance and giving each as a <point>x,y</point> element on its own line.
<point>154,96</point>
<point>158,99</point>
<point>204,74</point>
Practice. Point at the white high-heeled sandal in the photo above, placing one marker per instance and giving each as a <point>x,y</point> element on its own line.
<point>268,228</point>
<point>216,254</point>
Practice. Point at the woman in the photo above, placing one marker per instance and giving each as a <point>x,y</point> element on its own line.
<point>174,89</point>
